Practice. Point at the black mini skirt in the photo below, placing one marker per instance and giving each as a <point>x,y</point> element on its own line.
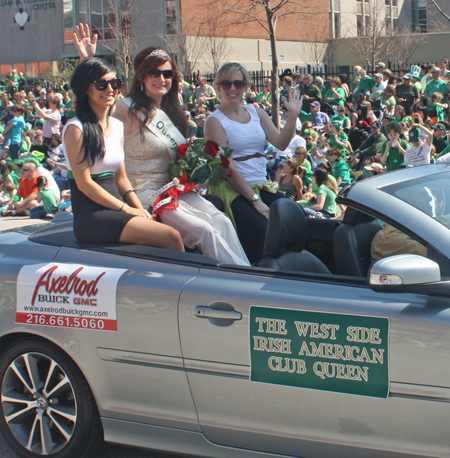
<point>93,223</point>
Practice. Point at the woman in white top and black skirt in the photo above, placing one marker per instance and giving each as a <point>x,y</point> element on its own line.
<point>247,196</point>
<point>105,206</point>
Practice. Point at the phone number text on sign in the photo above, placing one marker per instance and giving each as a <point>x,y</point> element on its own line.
<point>66,321</point>
<point>68,295</point>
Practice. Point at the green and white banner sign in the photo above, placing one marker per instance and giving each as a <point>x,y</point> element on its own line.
<point>320,351</point>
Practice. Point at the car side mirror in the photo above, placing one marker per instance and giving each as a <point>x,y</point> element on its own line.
<point>402,273</point>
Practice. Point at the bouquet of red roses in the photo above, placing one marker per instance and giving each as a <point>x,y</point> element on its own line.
<point>201,161</point>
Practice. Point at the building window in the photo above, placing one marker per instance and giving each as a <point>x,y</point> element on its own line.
<point>83,12</point>
<point>32,70</point>
<point>5,70</point>
<point>362,17</point>
<point>103,18</point>
<point>419,15</point>
<point>45,68</point>
<point>335,18</point>
<point>170,13</point>
<point>391,16</point>
<point>68,21</point>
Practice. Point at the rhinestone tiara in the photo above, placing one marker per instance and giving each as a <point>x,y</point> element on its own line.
<point>158,52</point>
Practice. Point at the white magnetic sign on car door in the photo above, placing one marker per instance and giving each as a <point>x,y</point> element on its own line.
<point>68,295</point>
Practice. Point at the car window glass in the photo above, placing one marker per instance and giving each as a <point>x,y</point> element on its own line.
<point>429,194</point>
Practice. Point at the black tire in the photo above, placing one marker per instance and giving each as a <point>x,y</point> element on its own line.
<point>41,387</point>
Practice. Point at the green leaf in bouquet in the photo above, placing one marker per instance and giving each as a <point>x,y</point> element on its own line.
<point>214,163</point>
<point>200,174</point>
<point>175,170</point>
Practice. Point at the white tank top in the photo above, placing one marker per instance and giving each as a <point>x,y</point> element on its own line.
<point>114,155</point>
<point>245,140</point>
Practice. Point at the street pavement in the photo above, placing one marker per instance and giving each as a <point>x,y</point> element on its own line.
<point>11,222</point>
<point>110,451</point>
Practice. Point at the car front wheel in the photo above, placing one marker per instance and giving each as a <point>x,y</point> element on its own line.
<point>47,406</point>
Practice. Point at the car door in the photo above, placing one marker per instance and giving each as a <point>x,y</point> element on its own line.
<point>136,372</point>
<point>322,419</point>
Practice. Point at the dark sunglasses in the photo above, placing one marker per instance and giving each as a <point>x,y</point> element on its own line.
<point>238,84</point>
<point>167,74</point>
<point>101,85</point>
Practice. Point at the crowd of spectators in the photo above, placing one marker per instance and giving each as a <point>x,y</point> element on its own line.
<point>349,125</point>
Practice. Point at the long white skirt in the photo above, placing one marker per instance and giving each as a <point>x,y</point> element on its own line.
<point>202,226</point>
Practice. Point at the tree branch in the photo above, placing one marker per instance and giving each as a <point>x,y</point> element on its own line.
<point>440,10</point>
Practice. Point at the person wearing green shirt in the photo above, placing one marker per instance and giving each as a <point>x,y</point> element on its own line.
<point>300,157</point>
<point>388,99</point>
<point>366,83</point>
<point>440,141</point>
<point>355,76</point>
<point>335,96</point>
<point>341,118</point>
<point>338,138</point>
<point>310,93</point>
<point>370,147</point>
<point>341,170</point>
<point>435,85</point>
<point>436,108</point>
<point>14,78</point>
<point>325,205</point>
<point>69,109</point>
<point>393,151</point>
<point>265,97</point>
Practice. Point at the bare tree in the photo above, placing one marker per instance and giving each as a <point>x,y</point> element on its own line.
<point>119,36</point>
<point>267,14</point>
<point>200,43</point>
<point>331,49</point>
<point>316,46</point>
<point>216,46</point>
<point>406,43</point>
<point>372,44</point>
<point>188,49</point>
<point>438,7</point>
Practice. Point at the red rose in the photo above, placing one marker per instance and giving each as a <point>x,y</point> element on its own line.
<point>181,150</point>
<point>224,161</point>
<point>211,148</point>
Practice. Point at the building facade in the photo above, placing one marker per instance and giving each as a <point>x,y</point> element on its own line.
<point>37,35</point>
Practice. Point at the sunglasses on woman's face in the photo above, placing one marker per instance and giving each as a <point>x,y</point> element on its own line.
<point>238,84</point>
<point>167,74</point>
<point>101,85</point>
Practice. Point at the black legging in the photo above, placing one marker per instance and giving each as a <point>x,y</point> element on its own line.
<point>251,225</point>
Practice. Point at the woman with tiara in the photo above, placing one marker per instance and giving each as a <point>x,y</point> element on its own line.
<point>154,123</point>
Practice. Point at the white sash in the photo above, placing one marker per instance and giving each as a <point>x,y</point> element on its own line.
<point>163,128</point>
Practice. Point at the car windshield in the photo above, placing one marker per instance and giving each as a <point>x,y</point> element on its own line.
<point>429,194</point>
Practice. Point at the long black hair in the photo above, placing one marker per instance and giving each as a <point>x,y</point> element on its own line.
<point>84,74</point>
<point>145,63</point>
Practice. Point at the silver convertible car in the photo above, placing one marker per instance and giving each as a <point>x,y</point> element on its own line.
<point>315,352</point>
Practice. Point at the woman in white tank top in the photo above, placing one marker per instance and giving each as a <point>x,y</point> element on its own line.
<point>105,206</point>
<point>247,195</point>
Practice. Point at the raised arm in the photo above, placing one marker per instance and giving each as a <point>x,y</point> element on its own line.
<point>40,112</point>
<point>281,139</point>
<point>86,46</point>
